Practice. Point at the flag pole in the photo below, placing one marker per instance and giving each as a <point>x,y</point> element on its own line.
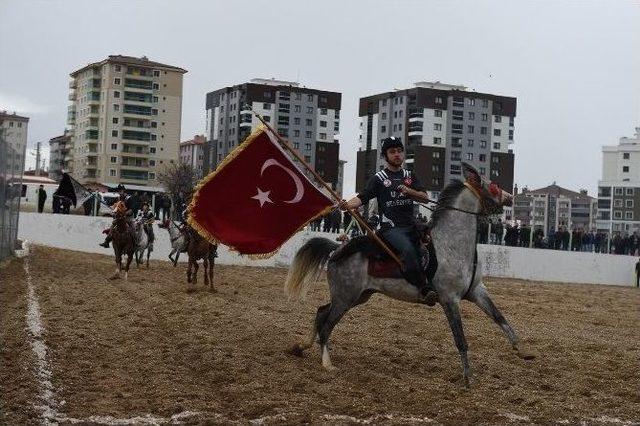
<point>352,212</point>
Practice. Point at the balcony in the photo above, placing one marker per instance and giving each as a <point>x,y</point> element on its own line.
<point>136,136</point>
<point>416,117</point>
<point>73,84</point>
<point>135,151</point>
<point>91,134</point>
<point>96,83</point>
<point>72,95</point>
<point>131,83</point>
<point>414,133</point>
<point>138,110</point>
<point>138,97</point>
<point>134,175</point>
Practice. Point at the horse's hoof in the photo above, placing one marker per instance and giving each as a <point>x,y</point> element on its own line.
<point>330,367</point>
<point>114,277</point>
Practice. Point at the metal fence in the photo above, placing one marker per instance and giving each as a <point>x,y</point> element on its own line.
<point>11,166</point>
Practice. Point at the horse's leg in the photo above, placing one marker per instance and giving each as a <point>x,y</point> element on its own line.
<point>205,267</point>
<point>212,261</point>
<point>452,311</point>
<point>148,254</point>
<point>129,259</point>
<point>189,268</point>
<point>195,271</point>
<point>175,263</point>
<point>480,296</point>
<point>331,317</point>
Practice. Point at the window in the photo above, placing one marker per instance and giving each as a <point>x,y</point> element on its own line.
<point>115,120</point>
<point>152,175</point>
<point>114,146</point>
<point>495,160</point>
<point>470,143</point>
<point>483,130</point>
<point>435,168</point>
<point>455,155</point>
<point>457,115</point>
<point>296,145</point>
<point>395,127</point>
<point>395,114</point>
<point>116,107</point>
<point>625,155</point>
<point>310,98</point>
<point>470,129</point>
<point>323,124</point>
<point>400,127</point>
<point>472,102</point>
<point>309,122</point>
<point>436,154</point>
<point>628,204</point>
<point>470,156</point>
<point>154,137</point>
<point>156,86</point>
<point>383,129</point>
<point>629,191</point>
<point>307,134</point>
<point>511,134</point>
<point>437,113</point>
<point>400,112</point>
<point>116,81</point>
<point>118,69</point>
<point>483,144</point>
<point>497,118</point>
<point>112,172</point>
<point>297,108</point>
<point>156,73</point>
<point>495,173</point>
<point>152,163</point>
<point>437,141</point>
<point>114,133</point>
<point>155,99</point>
<point>152,150</point>
<point>438,100</point>
<point>617,214</point>
<point>323,111</point>
<point>456,128</point>
<point>628,215</point>
<point>455,169</point>
<point>483,171</point>
<point>323,136</point>
<point>266,106</point>
<point>114,160</point>
<point>384,116</point>
<point>485,103</point>
<point>296,120</point>
<point>309,110</point>
<point>456,142</point>
<point>617,203</point>
<point>283,120</point>
<point>497,132</point>
<point>485,117</point>
<point>472,115</point>
<point>625,169</point>
<point>307,146</point>
<point>496,145</point>
<point>618,191</point>
<point>307,158</point>
<point>435,181</point>
<point>283,132</point>
<point>458,101</point>
<point>384,102</point>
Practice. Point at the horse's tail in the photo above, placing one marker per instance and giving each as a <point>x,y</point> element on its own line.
<point>307,266</point>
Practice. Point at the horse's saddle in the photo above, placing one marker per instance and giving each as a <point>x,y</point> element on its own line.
<point>381,265</point>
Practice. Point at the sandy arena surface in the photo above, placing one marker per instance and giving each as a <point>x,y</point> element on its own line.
<point>146,350</point>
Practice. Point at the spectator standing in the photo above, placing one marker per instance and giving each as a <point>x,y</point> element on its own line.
<point>42,197</point>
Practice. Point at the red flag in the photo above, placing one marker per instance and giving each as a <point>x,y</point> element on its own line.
<point>256,199</point>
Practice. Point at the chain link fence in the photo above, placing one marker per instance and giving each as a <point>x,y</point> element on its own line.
<point>11,166</point>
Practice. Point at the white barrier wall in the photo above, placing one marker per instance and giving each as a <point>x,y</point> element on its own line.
<point>83,233</point>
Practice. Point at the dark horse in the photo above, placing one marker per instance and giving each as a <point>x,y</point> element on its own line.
<point>199,248</point>
<point>124,242</point>
<point>458,276</point>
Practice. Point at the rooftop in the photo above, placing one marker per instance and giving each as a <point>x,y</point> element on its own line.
<point>439,86</point>
<point>197,140</point>
<point>4,115</point>
<point>273,82</point>
<point>557,191</point>
<point>129,60</point>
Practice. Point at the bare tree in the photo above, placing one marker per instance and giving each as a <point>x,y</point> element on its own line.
<point>179,181</point>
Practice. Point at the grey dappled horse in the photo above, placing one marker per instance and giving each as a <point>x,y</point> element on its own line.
<point>142,243</point>
<point>454,227</point>
<point>177,239</point>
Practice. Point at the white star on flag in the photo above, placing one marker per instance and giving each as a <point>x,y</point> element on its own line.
<point>262,196</point>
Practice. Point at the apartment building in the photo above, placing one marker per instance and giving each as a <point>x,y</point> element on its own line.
<point>124,119</point>
<point>14,129</point>
<point>192,153</point>
<point>59,155</point>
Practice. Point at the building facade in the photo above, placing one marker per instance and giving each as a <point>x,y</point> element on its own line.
<point>14,128</point>
<point>619,188</point>
<point>308,118</point>
<point>553,207</point>
<point>124,120</point>
<point>59,155</point>
<point>192,153</point>
<point>440,125</point>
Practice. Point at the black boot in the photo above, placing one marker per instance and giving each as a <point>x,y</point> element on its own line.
<point>106,242</point>
<point>428,294</point>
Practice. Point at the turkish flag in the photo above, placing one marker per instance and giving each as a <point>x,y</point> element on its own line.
<point>256,199</point>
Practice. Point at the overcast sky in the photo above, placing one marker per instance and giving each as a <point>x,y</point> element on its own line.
<point>574,66</point>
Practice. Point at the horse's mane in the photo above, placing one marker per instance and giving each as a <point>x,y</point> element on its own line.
<point>446,199</point>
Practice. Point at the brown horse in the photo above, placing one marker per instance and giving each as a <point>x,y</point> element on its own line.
<point>199,248</point>
<point>124,242</point>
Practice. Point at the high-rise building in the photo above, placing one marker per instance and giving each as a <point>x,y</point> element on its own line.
<point>14,128</point>
<point>440,125</point>
<point>192,153</point>
<point>308,118</point>
<point>553,207</point>
<point>125,120</point>
<point>619,188</point>
<point>59,155</point>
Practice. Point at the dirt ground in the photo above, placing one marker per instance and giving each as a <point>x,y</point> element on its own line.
<point>147,346</point>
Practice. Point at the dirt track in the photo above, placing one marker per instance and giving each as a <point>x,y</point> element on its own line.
<point>147,346</point>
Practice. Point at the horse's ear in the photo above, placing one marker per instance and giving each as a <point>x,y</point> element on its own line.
<point>470,173</point>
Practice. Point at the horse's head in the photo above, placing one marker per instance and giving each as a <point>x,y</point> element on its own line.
<point>491,196</point>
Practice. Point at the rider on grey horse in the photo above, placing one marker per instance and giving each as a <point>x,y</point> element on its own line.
<point>128,203</point>
<point>395,189</point>
<point>146,216</point>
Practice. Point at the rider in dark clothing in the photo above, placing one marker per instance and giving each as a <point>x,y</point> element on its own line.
<point>396,189</point>
<point>128,203</point>
<point>146,216</point>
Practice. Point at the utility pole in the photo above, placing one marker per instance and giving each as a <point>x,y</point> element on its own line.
<point>38,159</point>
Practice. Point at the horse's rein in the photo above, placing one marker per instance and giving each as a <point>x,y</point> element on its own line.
<point>472,189</point>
